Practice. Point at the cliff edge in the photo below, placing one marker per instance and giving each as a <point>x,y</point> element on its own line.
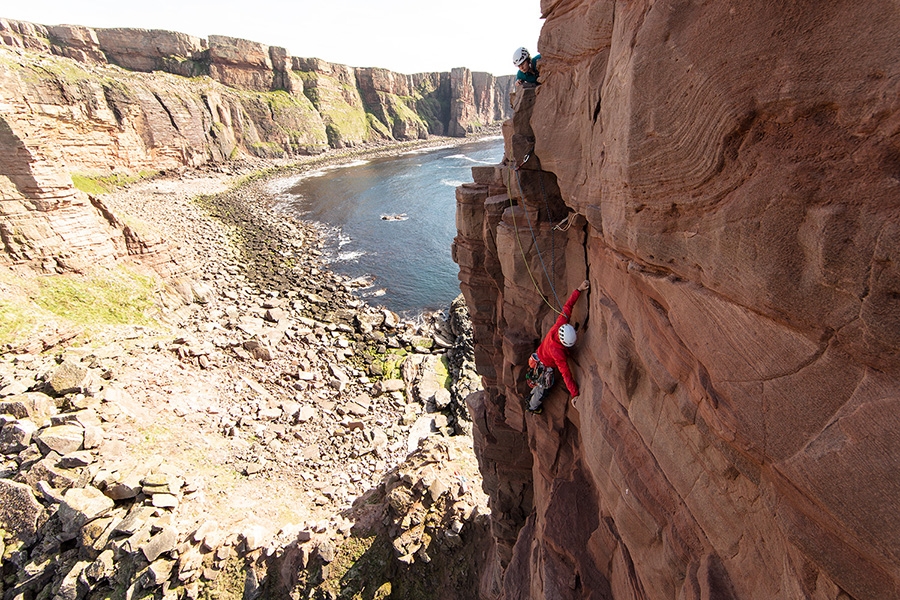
<point>725,175</point>
<point>96,104</point>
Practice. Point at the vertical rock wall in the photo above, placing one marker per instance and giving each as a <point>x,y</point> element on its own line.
<point>404,106</point>
<point>730,172</point>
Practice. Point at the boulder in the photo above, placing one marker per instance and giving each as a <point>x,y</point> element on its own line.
<point>47,469</point>
<point>102,568</point>
<point>19,511</point>
<point>305,414</point>
<point>70,584</point>
<point>69,378</point>
<point>159,572</point>
<point>77,459</point>
<point>15,436</point>
<point>422,428</point>
<point>34,406</point>
<point>388,385</point>
<point>136,520</point>
<point>61,438</point>
<point>81,505</point>
<point>258,350</point>
<point>163,542</point>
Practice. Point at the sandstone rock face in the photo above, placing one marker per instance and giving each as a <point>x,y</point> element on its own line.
<point>730,188</point>
<point>154,50</point>
<point>68,111</point>
<point>479,99</point>
<point>240,63</point>
<point>332,90</point>
<point>403,106</point>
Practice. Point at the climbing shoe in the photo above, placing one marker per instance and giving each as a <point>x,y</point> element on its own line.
<point>536,411</point>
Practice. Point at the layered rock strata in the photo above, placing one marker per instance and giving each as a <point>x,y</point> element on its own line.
<point>404,106</point>
<point>93,102</point>
<point>729,175</point>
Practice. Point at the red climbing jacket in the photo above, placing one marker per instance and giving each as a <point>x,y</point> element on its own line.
<point>552,353</point>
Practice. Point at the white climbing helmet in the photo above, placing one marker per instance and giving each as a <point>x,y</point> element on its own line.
<point>567,335</point>
<point>520,56</point>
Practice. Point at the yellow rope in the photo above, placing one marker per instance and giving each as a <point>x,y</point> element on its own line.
<point>522,249</point>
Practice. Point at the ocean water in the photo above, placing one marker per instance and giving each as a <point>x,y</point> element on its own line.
<point>392,220</point>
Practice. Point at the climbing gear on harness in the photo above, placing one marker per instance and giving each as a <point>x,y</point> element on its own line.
<point>533,360</point>
<point>567,335</point>
<point>520,56</point>
<point>540,375</point>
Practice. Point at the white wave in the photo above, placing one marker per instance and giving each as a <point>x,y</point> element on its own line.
<point>376,294</point>
<point>452,183</point>
<point>283,184</point>
<point>349,256</point>
<point>425,150</point>
<point>470,159</point>
<point>343,239</point>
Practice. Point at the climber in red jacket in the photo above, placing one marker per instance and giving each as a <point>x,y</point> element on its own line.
<point>552,354</point>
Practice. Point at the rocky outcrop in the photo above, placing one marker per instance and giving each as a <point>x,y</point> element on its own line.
<point>101,101</point>
<point>281,433</point>
<point>478,100</point>
<point>729,175</point>
<point>404,106</point>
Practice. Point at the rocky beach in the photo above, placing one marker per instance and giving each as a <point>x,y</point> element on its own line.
<point>262,412</point>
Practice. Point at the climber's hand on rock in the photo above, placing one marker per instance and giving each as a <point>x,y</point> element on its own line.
<point>584,285</point>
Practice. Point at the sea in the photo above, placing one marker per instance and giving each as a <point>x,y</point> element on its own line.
<point>391,221</point>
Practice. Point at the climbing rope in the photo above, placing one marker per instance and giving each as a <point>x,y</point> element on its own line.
<point>534,239</point>
<point>552,277</point>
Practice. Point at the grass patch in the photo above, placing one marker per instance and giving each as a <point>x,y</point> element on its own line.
<point>442,370</point>
<point>16,321</point>
<point>112,297</point>
<point>96,185</point>
<point>359,570</point>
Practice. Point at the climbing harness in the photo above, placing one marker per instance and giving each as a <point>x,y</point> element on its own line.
<point>540,376</point>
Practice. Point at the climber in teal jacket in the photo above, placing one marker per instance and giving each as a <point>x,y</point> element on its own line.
<point>528,71</point>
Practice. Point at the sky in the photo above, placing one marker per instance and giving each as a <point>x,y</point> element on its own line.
<point>406,36</point>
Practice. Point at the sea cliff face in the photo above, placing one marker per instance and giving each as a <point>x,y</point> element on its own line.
<point>78,100</point>
<point>729,175</point>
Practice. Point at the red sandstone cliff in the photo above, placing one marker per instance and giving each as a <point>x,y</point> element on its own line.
<point>730,174</point>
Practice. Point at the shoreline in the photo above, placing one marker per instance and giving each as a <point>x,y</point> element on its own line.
<point>267,402</point>
<point>257,188</point>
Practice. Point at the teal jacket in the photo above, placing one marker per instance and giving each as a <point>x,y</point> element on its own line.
<point>532,75</point>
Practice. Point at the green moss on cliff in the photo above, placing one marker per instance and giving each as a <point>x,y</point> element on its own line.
<point>104,184</point>
<point>344,121</point>
<point>378,127</point>
<point>284,121</point>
